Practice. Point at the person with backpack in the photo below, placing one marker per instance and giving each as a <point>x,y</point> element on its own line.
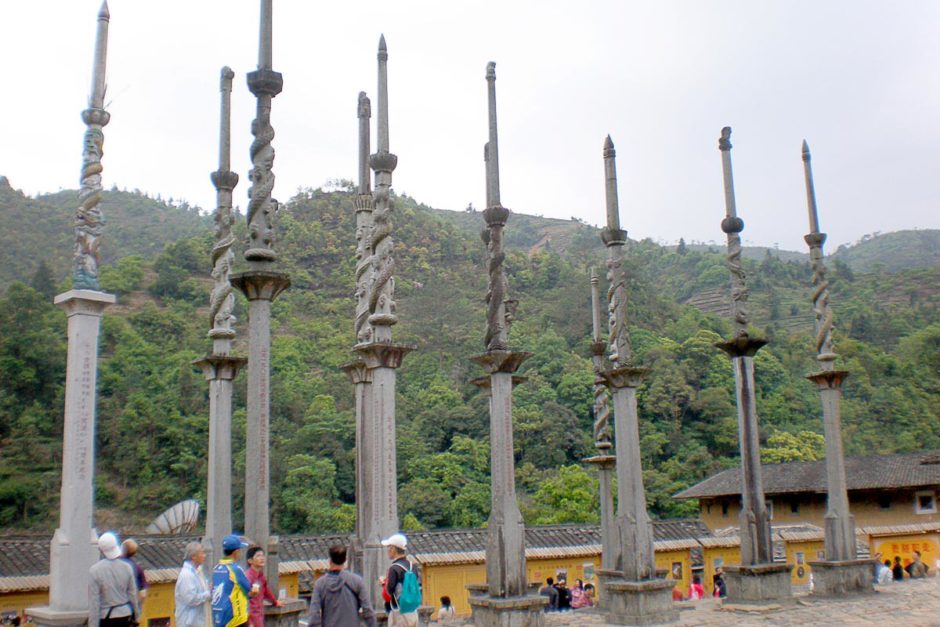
<point>401,585</point>
<point>338,596</point>
<point>230,586</point>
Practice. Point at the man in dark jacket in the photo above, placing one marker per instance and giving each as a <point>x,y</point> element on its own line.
<point>548,590</point>
<point>338,596</point>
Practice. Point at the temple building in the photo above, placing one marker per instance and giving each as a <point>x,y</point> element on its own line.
<point>884,490</point>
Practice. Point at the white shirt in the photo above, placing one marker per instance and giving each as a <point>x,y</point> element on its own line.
<point>192,593</point>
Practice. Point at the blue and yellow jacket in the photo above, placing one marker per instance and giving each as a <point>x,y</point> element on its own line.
<point>230,588</point>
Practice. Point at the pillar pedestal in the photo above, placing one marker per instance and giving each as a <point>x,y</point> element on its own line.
<point>839,578</point>
<point>760,582</point>
<point>640,602</point>
<point>521,611</point>
<point>288,615</point>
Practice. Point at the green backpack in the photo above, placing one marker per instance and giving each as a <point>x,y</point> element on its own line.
<point>410,597</point>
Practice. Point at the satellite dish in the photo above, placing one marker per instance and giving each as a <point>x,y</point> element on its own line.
<point>181,518</point>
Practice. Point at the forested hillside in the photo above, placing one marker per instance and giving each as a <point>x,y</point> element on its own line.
<point>152,413</point>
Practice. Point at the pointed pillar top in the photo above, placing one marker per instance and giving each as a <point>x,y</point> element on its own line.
<point>266,39</point>
<point>492,146</point>
<point>732,223</point>
<point>99,70</point>
<point>382,125</point>
<point>364,113</point>
<point>810,191</point>
<point>610,185</point>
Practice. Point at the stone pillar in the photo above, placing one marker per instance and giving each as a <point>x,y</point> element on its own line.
<point>635,596</point>
<point>361,376</point>
<point>507,601</point>
<point>74,544</point>
<point>841,571</point>
<point>757,578</point>
<point>220,367</point>
<point>261,285</point>
<point>611,556</point>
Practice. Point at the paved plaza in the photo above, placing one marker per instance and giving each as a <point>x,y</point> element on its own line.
<point>913,603</point>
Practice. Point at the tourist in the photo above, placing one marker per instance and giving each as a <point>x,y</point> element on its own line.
<point>917,569</point>
<point>696,591</point>
<point>255,559</point>
<point>400,584</point>
<point>112,588</point>
<point>446,614</point>
<point>884,573</point>
<point>231,588</point>
<point>548,590</point>
<point>897,571</point>
<point>718,581</point>
<point>192,590</point>
<point>564,595</point>
<point>339,597</point>
<point>588,595</point>
<point>577,595</point>
<point>129,550</point>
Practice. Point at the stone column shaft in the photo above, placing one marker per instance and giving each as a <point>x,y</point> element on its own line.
<point>840,524</point>
<point>261,287</point>
<point>756,540</point>
<point>74,547</point>
<point>219,492</point>
<point>635,527</point>
<point>220,369</point>
<point>379,467</point>
<point>257,464</point>
<point>505,548</point>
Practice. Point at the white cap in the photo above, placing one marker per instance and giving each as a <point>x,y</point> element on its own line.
<point>396,539</point>
<point>108,544</point>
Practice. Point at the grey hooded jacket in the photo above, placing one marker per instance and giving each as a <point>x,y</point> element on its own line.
<point>336,600</point>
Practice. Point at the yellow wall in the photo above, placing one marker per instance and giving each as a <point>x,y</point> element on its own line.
<point>927,543</point>
<point>574,567</point>
<point>715,556</point>
<point>808,551</point>
<point>19,601</point>
<point>451,580</point>
<point>160,602</point>
<point>665,561</point>
<point>812,509</point>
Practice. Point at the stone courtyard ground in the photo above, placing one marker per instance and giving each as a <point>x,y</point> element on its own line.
<point>912,603</point>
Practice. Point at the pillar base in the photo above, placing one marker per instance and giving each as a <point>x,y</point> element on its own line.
<point>525,611</point>
<point>47,617</point>
<point>647,602</point>
<point>844,577</point>
<point>288,615</point>
<point>758,583</point>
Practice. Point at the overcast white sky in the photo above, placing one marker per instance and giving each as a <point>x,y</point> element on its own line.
<point>858,79</point>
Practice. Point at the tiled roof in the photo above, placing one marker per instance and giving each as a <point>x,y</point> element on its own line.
<point>874,472</point>
<point>26,556</point>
